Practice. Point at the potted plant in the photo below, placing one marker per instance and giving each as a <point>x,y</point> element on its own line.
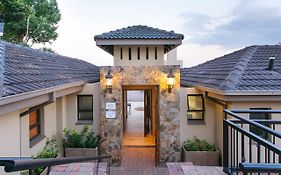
<point>84,143</point>
<point>200,152</point>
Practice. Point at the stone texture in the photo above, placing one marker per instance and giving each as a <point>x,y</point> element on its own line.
<point>169,119</point>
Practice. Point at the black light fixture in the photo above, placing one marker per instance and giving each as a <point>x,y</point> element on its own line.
<point>171,80</point>
<point>108,81</point>
<point>1,27</point>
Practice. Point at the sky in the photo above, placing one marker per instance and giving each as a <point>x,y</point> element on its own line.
<point>212,28</point>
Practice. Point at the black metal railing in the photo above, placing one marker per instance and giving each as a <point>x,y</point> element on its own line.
<point>244,151</point>
<point>18,164</point>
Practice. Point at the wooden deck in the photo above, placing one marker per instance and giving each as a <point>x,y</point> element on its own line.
<point>187,168</point>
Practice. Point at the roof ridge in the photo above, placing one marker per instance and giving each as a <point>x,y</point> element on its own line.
<point>235,74</point>
<point>2,68</point>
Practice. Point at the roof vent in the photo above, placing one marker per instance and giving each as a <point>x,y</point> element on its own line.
<point>271,63</point>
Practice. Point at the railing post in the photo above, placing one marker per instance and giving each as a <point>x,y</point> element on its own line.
<point>225,147</point>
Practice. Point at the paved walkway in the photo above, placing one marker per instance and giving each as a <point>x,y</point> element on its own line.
<point>138,161</point>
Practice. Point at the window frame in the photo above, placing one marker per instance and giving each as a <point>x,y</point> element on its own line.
<point>268,117</point>
<point>40,124</point>
<point>78,110</point>
<point>202,111</point>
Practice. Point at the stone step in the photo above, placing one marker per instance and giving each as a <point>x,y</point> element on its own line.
<point>89,168</point>
<point>187,168</point>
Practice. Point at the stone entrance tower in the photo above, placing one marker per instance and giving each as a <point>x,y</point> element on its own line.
<point>138,53</point>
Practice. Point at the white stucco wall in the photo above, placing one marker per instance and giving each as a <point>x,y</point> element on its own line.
<point>172,58</point>
<point>71,107</point>
<point>204,129</point>
<point>134,52</point>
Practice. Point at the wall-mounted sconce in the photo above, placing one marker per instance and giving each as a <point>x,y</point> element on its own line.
<point>108,81</point>
<point>171,80</point>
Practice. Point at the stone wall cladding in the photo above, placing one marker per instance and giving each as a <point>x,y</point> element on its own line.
<point>169,109</point>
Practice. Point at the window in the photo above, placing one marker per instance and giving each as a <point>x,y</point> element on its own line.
<point>138,53</point>
<point>260,116</point>
<point>195,107</point>
<point>130,53</point>
<point>147,53</point>
<point>155,53</point>
<point>85,107</point>
<point>35,124</point>
<point>121,53</point>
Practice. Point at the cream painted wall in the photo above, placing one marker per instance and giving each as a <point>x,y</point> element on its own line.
<point>134,52</point>
<point>172,58</point>
<point>71,107</point>
<point>10,137</point>
<point>201,129</point>
<point>49,130</point>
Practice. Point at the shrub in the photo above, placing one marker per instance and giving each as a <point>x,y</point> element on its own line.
<point>85,139</point>
<point>196,144</point>
<point>50,150</point>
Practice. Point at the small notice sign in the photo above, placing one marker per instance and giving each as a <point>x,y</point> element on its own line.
<point>110,114</point>
<point>110,106</point>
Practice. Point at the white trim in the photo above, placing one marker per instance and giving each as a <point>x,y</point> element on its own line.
<point>26,95</point>
<point>104,42</point>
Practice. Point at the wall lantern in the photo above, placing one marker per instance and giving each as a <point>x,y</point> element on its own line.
<point>171,80</point>
<point>108,81</point>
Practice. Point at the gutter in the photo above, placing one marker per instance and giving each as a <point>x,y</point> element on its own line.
<point>240,93</point>
<point>36,93</point>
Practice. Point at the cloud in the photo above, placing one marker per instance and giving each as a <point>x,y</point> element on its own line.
<point>248,24</point>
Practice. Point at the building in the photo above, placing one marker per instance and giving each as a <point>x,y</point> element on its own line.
<point>41,92</point>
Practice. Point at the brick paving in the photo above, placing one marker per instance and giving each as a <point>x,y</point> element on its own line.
<point>138,161</point>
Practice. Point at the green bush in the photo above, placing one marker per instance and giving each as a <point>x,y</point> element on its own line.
<point>50,150</point>
<point>85,139</point>
<point>196,144</point>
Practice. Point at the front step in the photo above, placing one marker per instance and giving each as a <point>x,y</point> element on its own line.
<point>89,168</point>
<point>187,168</point>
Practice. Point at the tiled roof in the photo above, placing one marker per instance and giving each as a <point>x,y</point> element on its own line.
<point>243,70</point>
<point>27,69</point>
<point>139,32</point>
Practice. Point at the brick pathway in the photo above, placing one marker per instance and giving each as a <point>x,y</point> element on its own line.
<point>138,161</point>
<point>78,169</point>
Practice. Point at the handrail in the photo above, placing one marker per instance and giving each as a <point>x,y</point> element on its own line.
<point>18,165</point>
<point>257,111</point>
<point>253,136</point>
<point>260,167</point>
<point>268,122</point>
<point>269,130</point>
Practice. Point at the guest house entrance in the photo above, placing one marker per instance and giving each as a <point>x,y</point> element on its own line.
<point>140,118</point>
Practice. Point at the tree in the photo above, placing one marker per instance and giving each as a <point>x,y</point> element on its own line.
<point>40,17</point>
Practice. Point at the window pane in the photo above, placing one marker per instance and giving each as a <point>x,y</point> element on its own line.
<point>33,133</point>
<point>32,118</point>
<point>195,115</point>
<point>85,116</point>
<point>195,102</point>
<point>259,116</point>
<point>85,102</point>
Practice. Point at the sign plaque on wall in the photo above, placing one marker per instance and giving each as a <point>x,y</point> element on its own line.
<point>110,106</point>
<point>110,110</point>
<point>110,114</point>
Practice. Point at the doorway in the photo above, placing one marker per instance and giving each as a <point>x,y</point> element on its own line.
<point>140,117</point>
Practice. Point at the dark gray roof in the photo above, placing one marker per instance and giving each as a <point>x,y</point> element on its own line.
<point>139,32</point>
<point>27,69</point>
<point>242,70</point>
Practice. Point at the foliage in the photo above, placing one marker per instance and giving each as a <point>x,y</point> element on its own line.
<point>196,144</point>
<point>49,151</point>
<point>84,139</point>
<point>42,16</point>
